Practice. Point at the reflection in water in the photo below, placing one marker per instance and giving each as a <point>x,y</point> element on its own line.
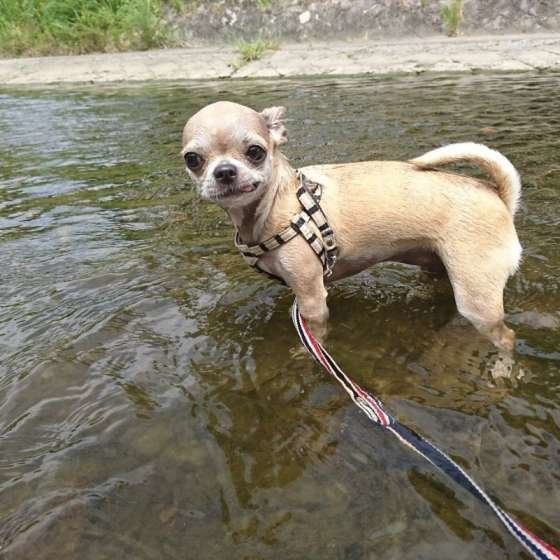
<point>153,401</point>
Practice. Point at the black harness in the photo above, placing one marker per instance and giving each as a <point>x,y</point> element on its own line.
<point>323,245</point>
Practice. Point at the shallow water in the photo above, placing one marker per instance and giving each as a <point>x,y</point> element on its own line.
<point>152,401</point>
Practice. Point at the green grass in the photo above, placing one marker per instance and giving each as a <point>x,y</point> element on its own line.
<point>452,15</point>
<point>254,50</point>
<point>37,27</point>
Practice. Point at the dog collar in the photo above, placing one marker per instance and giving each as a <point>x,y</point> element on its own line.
<point>323,245</point>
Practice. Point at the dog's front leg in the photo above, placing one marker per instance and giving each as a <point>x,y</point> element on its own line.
<point>311,297</point>
<point>302,271</point>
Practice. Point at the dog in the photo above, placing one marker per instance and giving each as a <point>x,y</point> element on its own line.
<point>410,212</point>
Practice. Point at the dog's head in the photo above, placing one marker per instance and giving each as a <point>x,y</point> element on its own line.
<point>230,151</point>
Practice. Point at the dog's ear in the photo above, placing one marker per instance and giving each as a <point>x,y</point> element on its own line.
<point>274,118</point>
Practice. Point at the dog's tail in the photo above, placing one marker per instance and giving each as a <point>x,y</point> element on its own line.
<point>495,164</point>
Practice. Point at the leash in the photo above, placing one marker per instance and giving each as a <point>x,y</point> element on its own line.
<point>375,411</point>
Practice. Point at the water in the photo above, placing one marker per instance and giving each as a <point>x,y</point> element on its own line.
<point>153,404</point>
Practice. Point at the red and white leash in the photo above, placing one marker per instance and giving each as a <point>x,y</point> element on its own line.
<point>375,411</point>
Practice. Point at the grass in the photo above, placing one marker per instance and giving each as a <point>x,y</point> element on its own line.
<point>452,15</point>
<point>250,51</point>
<point>37,27</point>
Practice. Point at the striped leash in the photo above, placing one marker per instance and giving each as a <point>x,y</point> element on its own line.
<point>375,411</point>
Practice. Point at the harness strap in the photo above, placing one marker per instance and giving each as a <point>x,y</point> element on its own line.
<point>251,253</point>
<point>323,245</point>
<point>300,223</point>
<point>314,210</point>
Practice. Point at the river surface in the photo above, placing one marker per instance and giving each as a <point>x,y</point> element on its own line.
<point>153,401</point>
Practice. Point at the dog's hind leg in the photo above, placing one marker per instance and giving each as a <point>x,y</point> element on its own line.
<point>478,285</point>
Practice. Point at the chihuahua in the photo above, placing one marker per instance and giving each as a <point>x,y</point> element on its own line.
<point>409,212</point>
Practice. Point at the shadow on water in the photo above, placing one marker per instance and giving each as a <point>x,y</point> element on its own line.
<point>153,401</point>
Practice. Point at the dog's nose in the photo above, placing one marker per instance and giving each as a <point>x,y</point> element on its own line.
<point>225,173</point>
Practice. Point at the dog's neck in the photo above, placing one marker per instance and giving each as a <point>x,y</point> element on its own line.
<point>251,220</point>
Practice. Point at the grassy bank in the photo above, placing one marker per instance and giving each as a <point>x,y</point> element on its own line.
<point>36,27</point>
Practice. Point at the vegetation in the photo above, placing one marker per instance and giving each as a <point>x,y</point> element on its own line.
<point>452,15</point>
<point>29,27</point>
<point>254,50</point>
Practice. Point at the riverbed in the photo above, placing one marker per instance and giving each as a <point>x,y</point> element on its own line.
<point>153,401</point>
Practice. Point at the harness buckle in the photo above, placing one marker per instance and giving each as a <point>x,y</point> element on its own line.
<point>330,261</point>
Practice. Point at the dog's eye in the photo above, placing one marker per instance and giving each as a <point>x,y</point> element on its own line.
<point>256,153</point>
<point>193,161</point>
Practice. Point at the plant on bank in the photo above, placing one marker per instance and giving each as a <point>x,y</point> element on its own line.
<point>250,51</point>
<point>452,15</point>
<point>29,27</point>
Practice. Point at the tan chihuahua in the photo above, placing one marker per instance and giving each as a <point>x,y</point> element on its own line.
<point>379,211</point>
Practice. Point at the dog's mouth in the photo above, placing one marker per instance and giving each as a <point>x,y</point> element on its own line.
<point>235,190</point>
